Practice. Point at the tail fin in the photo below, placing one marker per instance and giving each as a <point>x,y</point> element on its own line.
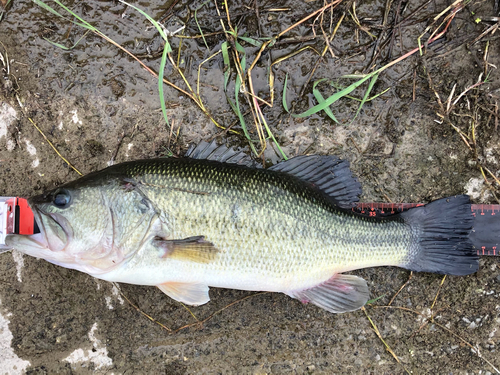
<point>441,231</point>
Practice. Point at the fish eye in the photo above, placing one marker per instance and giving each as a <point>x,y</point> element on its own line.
<point>62,198</point>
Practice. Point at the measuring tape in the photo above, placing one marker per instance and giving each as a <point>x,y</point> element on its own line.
<point>485,234</point>
<point>16,217</point>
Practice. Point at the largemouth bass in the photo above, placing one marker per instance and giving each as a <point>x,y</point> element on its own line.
<point>215,219</point>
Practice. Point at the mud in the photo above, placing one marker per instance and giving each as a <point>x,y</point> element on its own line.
<point>98,106</point>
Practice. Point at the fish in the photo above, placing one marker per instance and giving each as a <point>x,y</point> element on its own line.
<point>215,218</point>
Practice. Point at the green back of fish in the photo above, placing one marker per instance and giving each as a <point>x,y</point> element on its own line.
<point>261,220</point>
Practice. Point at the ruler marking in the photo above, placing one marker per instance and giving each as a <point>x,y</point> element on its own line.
<point>483,213</point>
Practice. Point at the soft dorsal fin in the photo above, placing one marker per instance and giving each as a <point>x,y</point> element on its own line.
<point>327,173</point>
<point>222,153</point>
<point>341,293</point>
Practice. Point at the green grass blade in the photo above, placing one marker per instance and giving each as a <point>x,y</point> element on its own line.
<point>271,135</point>
<point>83,23</point>
<point>241,119</point>
<point>284,94</point>
<point>58,45</point>
<point>227,63</point>
<point>335,97</point>
<point>377,95</point>
<point>237,87</point>
<point>166,50</point>
<point>161,72</point>
<point>64,47</point>
<point>197,24</point>
<point>231,104</point>
<point>327,109</point>
<point>240,49</point>
<point>354,76</point>
<point>369,99</point>
<point>319,97</point>
<point>367,94</point>
<point>251,41</point>
<point>4,9</point>
<point>154,23</point>
<point>41,4</point>
<point>369,302</point>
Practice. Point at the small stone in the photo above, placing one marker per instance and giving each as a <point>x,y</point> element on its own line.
<point>60,339</point>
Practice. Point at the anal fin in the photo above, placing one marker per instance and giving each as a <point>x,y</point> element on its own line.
<point>190,294</point>
<point>341,293</point>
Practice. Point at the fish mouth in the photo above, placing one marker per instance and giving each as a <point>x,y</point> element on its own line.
<point>56,229</point>
<point>55,244</point>
<point>54,237</point>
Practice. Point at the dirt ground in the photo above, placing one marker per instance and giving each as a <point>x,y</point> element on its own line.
<point>98,106</point>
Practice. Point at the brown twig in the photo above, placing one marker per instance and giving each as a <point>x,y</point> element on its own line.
<point>437,293</point>
<point>197,323</point>
<point>53,147</point>
<point>325,49</point>
<point>400,289</point>
<point>475,349</point>
<point>140,311</point>
<point>200,323</point>
<point>387,347</point>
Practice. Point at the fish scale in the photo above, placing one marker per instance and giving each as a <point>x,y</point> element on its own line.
<point>215,219</point>
<point>281,219</point>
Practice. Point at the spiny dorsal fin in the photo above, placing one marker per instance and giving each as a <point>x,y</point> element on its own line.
<point>341,293</point>
<point>222,153</point>
<point>327,173</point>
<point>193,249</point>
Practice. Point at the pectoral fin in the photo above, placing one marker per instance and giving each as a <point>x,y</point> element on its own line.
<point>193,249</point>
<point>190,294</point>
<point>341,293</point>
